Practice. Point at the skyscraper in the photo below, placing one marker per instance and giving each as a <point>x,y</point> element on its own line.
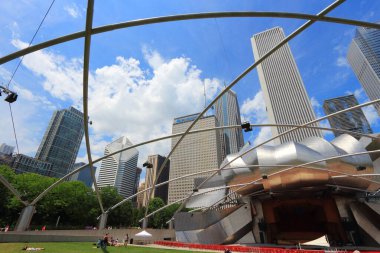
<point>23,163</point>
<point>151,175</point>
<point>6,149</point>
<point>62,140</point>
<point>196,153</point>
<point>354,120</point>
<point>364,58</point>
<point>119,170</point>
<point>284,93</point>
<point>227,113</point>
<point>83,175</point>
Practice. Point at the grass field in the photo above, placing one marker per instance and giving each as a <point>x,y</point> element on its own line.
<point>80,247</point>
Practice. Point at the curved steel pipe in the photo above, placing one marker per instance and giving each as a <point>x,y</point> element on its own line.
<point>320,169</point>
<point>261,59</point>
<point>86,67</point>
<point>10,187</point>
<point>183,17</point>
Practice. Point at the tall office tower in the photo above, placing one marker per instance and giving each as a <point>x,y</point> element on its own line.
<point>84,175</point>
<point>364,58</point>
<point>61,141</point>
<point>284,93</point>
<point>354,120</point>
<point>140,197</point>
<point>151,175</point>
<point>227,113</point>
<point>6,149</point>
<point>119,170</point>
<point>196,153</point>
<point>137,183</point>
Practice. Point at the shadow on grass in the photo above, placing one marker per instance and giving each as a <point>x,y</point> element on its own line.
<point>104,250</point>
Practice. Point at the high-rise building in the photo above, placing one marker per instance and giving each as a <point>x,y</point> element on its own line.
<point>119,170</point>
<point>196,153</point>
<point>140,197</point>
<point>284,93</point>
<point>84,175</point>
<point>364,58</point>
<point>354,120</point>
<point>151,175</point>
<point>137,183</point>
<point>227,113</point>
<point>23,163</point>
<point>6,149</point>
<point>61,141</point>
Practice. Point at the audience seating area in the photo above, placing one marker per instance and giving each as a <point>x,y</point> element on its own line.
<point>239,248</point>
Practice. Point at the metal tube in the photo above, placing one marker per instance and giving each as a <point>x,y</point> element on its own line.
<point>261,59</point>
<point>86,64</point>
<point>180,17</point>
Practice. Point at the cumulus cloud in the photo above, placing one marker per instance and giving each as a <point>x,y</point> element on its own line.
<point>73,10</point>
<point>125,99</point>
<point>254,110</point>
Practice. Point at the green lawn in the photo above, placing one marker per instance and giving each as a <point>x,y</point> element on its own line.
<point>80,247</point>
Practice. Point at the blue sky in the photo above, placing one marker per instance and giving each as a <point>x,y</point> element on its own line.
<point>142,77</point>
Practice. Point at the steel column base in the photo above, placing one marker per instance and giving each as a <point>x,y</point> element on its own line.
<point>103,221</point>
<point>25,218</point>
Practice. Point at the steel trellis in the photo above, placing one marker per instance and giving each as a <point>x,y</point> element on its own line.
<point>254,65</point>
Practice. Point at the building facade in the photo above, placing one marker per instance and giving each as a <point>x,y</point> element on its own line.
<point>119,170</point>
<point>354,120</point>
<point>61,141</point>
<point>84,175</point>
<point>151,175</point>
<point>227,113</point>
<point>284,93</point>
<point>6,149</point>
<point>364,57</point>
<point>23,163</point>
<point>140,197</point>
<point>197,152</point>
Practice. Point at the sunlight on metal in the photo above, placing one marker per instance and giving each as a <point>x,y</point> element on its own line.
<point>242,75</point>
<point>298,166</point>
<point>86,68</point>
<point>320,169</point>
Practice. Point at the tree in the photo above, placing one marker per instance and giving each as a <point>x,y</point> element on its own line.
<point>158,219</point>
<point>5,194</point>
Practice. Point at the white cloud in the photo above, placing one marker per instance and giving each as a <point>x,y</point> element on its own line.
<point>371,115</point>
<point>314,102</point>
<point>73,10</point>
<point>123,98</point>
<point>254,110</point>
<point>342,62</point>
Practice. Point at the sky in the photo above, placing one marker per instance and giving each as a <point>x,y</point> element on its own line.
<point>143,77</point>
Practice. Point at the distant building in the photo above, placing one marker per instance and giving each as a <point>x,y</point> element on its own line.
<point>140,197</point>
<point>61,141</point>
<point>354,120</point>
<point>119,170</point>
<point>6,159</point>
<point>364,58</point>
<point>151,175</point>
<point>196,153</point>
<point>227,113</point>
<point>6,149</point>
<point>137,182</point>
<point>23,163</point>
<point>284,93</point>
<point>84,175</point>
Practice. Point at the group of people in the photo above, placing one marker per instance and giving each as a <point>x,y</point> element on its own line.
<point>109,241</point>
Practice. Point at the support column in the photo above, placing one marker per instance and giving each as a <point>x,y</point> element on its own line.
<point>103,221</point>
<point>144,223</point>
<point>25,218</point>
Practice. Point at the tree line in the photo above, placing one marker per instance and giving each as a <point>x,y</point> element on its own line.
<point>72,205</point>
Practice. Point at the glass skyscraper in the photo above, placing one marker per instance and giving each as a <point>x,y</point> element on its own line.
<point>227,113</point>
<point>364,58</point>
<point>61,141</point>
<point>354,120</point>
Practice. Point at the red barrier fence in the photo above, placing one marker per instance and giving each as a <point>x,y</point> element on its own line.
<point>238,248</point>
